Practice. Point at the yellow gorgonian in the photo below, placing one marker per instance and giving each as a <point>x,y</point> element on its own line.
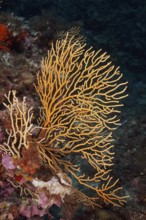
<point>80,91</point>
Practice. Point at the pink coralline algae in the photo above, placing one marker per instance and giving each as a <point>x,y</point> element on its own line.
<point>33,210</point>
<point>8,162</point>
<point>30,194</point>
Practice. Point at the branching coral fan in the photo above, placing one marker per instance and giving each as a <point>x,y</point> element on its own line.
<point>80,92</point>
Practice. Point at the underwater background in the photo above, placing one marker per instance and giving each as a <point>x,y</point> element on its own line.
<point>118,28</point>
